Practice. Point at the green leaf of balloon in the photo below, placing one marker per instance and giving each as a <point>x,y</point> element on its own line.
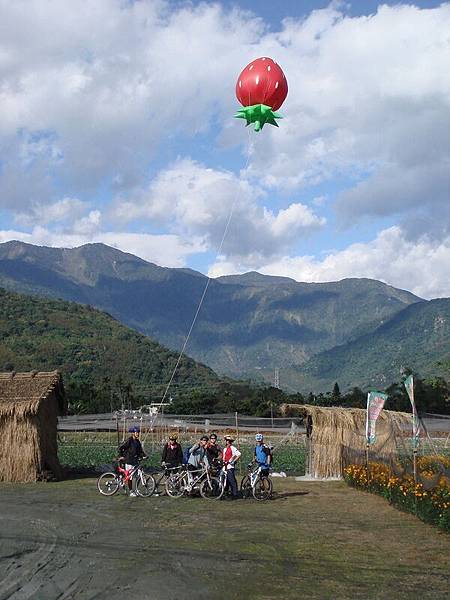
<point>259,115</point>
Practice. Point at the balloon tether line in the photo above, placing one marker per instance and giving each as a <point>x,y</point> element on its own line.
<point>218,253</point>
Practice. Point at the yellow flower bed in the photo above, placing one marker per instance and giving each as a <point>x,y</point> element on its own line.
<point>430,505</point>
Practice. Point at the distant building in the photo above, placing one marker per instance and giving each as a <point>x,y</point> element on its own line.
<point>29,407</point>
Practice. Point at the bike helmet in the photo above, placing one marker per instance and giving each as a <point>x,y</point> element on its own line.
<point>259,437</point>
<point>228,438</point>
<point>134,430</point>
<point>173,436</point>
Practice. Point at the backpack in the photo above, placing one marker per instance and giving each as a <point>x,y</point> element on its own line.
<point>268,451</point>
<point>186,455</point>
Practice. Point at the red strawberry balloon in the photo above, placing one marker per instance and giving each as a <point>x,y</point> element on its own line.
<point>261,88</point>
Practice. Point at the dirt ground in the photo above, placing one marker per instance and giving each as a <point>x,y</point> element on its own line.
<point>315,540</point>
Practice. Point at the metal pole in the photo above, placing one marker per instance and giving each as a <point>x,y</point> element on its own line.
<point>271,413</point>
<point>367,463</point>
<point>415,465</point>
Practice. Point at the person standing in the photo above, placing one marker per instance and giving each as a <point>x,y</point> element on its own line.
<point>263,454</point>
<point>213,450</point>
<point>197,457</point>
<point>197,454</point>
<point>230,456</point>
<point>172,454</point>
<point>131,452</point>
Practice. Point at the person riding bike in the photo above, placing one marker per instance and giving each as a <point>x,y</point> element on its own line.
<point>131,452</point>
<point>230,456</point>
<point>262,455</point>
<point>172,454</point>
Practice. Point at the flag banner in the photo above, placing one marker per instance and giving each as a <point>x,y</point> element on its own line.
<point>375,403</point>
<point>409,385</point>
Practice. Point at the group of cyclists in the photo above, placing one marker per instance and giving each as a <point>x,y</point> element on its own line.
<point>205,453</point>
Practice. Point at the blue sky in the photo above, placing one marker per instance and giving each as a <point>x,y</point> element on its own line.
<point>117,127</point>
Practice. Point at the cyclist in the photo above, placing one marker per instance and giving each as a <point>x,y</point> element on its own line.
<point>131,452</point>
<point>214,453</point>
<point>213,450</point>
<point>172,454</point>
<point>197,454</point>
<point>230,456</point>
<point>262,455</point>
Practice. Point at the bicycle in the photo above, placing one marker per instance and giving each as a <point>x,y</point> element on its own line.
<point>186,482</point>
<point>256,483</point>
<point>161,476</point>
<point>110,482</point>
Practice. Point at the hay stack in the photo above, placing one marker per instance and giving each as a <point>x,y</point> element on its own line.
<point>338,436</point>
<point>29,407</point>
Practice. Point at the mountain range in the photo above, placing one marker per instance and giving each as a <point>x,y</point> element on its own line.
<point>416,338</point>
<point>249,325</point>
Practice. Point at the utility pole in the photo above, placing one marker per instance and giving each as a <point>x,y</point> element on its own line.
<point>276,380</point>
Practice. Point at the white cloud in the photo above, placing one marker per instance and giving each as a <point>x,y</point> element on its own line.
<point>88,225</point>
<point>90,90</point>
<point>420,266</point>
<point>66,209</point>
<point>106,81</point>
<point>196,201</point>
<point>363,91</point>
<point>368,96</point>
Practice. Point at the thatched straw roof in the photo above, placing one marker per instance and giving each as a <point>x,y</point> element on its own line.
<point>22,393</point>
<point>338,436</point>
<point>349,418</point>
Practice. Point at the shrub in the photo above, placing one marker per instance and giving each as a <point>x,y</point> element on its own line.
<point>432,506</point>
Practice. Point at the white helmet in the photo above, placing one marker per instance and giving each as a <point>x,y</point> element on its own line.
<point>259,437</point>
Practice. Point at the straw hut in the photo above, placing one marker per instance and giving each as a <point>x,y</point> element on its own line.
<point>29,407</point>
<point>337,436</point>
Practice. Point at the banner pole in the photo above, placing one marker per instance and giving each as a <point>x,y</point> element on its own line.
<point>367,463</point>
<point>367,438</point>
<point>415,465</point>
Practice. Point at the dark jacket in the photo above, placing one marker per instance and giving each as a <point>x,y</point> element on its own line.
<point>213,452</point>
<point>172,456</point>
<point>132,451</point>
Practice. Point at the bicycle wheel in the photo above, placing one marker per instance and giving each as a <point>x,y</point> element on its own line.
<point>175,486</point>
<point>263,488</point>
<point>212,489</point>
<point>108,484</point>
<point>145,485</point>
<point>161,479</point>
<point>246,488</point>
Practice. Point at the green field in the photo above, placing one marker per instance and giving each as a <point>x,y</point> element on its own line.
<point>90,450</point>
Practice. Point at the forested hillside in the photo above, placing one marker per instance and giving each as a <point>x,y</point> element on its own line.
<point>417,338</point>
<point>107,365</point>
<point>103,362</point>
